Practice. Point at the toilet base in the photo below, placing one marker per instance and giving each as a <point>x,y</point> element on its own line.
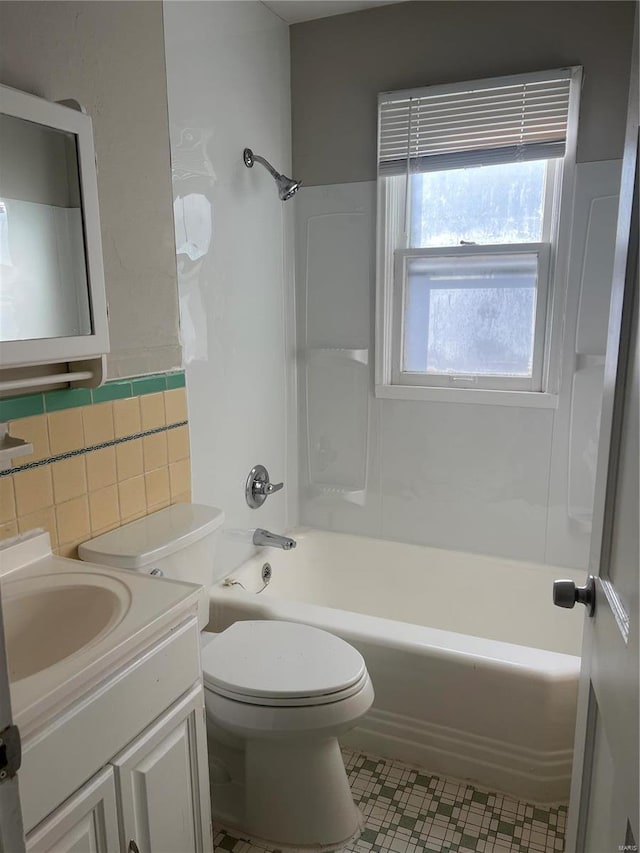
<point>296,795</point>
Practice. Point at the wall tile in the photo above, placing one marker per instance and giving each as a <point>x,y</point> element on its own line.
<point>7,500</point>
<point>132,497</point>
<point>36,431</point>
<point>129,459</point>
<point>65,431</point>
<point>89,493</point>
<point>175,380</point>
<point>175,404</point>
<point>45,518</point>
<point>154,448</point>
<point>111,391</point>
<point>152,410</point>
<point>21,407</point>
<point>72,519</point>
<point>126,417</point>
<point>180,477</point>
<point>149,384</point>
<point>178,443</point>
<point>56,401</point>
<point>104,510</point>
<point>98,423</point>
<point>33,490</point>
<point>101,468</point>
<point>8,529</point>
<point>157,488</point>
<point>69,479</point>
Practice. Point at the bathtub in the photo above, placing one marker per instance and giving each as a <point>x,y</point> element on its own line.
<point>475,671</point>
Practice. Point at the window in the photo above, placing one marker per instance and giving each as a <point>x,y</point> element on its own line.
<point>473,181</point>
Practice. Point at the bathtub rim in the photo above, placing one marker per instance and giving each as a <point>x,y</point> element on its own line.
<point>497,655</point>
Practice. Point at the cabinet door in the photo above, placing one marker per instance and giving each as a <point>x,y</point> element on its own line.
<point>163,782</point>
<point>86,823</point>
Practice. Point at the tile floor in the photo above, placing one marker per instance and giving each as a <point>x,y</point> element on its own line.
<point>407,810</point>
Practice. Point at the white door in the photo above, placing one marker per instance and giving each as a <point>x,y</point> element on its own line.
<point>11,830</point>
<point>604,808</point>
<point>86,823</point>
<point>164,784</point>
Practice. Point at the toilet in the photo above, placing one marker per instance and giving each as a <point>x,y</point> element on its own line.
<point>277,695</point>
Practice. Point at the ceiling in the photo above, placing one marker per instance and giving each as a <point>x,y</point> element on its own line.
<point>294,11</point>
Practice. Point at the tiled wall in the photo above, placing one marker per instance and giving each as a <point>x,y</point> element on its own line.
<point>101,458</point>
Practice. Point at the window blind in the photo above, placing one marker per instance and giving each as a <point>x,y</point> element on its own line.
<point>496,121</point>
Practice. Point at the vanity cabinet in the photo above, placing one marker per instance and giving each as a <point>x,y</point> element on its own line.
<point>140,739</point>
<point>163,783</point>
<point>151,798</point>
<point>86,823</point>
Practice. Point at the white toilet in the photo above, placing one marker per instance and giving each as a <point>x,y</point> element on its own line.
<point>277,695</point>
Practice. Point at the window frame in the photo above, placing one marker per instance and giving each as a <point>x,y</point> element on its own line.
<point>392,249</point>
<point>495,382</point>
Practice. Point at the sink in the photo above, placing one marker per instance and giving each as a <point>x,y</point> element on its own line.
<point>49,618</point>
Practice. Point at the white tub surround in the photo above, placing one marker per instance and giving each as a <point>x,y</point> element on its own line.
<point>228,89</point>
<point>475,671</point>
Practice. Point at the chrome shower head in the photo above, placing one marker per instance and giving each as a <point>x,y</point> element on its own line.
<point>287,187</point>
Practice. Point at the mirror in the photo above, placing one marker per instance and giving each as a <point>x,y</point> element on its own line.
<point>43,275</point>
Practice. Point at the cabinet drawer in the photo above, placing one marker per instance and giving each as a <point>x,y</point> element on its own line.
<point>90,732</point>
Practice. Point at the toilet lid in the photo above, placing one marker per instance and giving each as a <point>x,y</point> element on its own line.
<point>280,660</point>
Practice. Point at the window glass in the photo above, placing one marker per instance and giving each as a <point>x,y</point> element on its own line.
<point>501,203</point>
<point>472,314</point>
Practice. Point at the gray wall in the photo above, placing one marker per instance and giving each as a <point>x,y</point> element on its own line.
<point>339,64</point>
<point>110,58</point>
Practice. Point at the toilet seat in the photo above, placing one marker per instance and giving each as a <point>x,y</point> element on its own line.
<point>273,664</point>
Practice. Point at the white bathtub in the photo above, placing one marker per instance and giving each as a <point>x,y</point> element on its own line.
<point>475,671</point>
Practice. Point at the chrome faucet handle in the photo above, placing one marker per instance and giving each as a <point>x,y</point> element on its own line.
<point>258,486</point>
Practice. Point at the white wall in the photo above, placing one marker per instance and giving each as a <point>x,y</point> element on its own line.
<point>498,480</point>
<point>228,88</point>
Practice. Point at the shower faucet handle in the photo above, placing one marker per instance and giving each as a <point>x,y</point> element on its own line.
<point>258,486</point>
<point>268,488</point>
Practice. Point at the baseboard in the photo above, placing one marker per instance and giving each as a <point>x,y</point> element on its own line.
<point>531,775</point>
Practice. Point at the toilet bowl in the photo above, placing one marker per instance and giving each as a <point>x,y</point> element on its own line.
<point>286,692</point>
<point>277,696</point>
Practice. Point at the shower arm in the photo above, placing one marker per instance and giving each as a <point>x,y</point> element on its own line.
<point>256,158</point>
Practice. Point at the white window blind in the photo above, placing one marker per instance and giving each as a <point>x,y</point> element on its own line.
<point>500,120</point>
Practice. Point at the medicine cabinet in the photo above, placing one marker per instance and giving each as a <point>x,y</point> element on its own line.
<point>53,312</point>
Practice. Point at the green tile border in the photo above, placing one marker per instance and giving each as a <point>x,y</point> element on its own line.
<point>27,405</point>
<point>148,385</point>
<point>175,380</point>
<point>116,390</point>
<point>56,401</point>
<point>12,408</point>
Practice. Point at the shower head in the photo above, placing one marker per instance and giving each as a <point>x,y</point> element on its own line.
<point>287,187</point>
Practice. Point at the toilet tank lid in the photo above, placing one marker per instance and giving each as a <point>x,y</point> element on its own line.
<point>153,537</point>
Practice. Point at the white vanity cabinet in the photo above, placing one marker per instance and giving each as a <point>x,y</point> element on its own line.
<point>86,823</point>
<point>163,783</point>
<point>148,788</point>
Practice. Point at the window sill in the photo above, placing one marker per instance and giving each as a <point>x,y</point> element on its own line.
<point>475,396</point>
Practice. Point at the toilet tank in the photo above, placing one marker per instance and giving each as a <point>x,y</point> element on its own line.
<point>177,542</point>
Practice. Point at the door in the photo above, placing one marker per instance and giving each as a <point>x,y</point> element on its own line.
<point>163,783</point>
<point>11,830</point>
<point>603,813</point>
<point>86,823</point>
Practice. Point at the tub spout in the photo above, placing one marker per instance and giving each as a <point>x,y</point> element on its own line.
<point>265,537</point>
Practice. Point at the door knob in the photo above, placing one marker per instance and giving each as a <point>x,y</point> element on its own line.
<point>566,593</point>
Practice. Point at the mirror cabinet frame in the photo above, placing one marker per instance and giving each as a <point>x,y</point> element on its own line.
<point>78,347</point>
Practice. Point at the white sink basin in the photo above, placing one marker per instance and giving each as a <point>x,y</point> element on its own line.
<point>51,617</point>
